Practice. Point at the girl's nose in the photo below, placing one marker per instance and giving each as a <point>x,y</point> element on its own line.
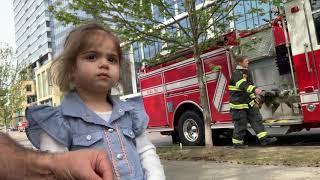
<point>103,63</point>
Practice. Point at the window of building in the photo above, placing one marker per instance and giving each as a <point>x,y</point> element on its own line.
<point>31,99</point>
<point>49,45</point>
<point>136,52</point>
<point>49,82</point>
<point>146,52</point>
<point>48,23</point>
<point>28,88</point>
<point>180,4</point>
<point>44,84</point>
<point>249,19</point>
<point>199,2</point>
<point>156,14</point>
<point>39,83</point>
<point>48,34</point>
<point>171,7</point>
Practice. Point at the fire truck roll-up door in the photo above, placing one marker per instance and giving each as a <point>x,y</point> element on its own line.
<point>303,19</point>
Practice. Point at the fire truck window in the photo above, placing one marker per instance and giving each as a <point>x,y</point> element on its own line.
<point>316,18</point>
<point>315,4</point>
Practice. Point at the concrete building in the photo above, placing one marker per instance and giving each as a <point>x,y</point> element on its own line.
<point>34,34</point>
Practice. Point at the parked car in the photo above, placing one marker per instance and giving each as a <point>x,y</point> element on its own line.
<point>13,128</point>
<point>22,126</point>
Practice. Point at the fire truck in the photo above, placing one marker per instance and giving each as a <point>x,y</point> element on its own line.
<point>284,60</point>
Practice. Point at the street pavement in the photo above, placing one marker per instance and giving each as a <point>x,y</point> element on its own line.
<point>206,170</point>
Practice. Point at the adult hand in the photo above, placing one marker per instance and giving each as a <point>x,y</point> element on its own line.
<point>82,165</point>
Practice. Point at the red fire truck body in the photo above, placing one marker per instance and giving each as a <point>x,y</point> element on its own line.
<point>290,69</point>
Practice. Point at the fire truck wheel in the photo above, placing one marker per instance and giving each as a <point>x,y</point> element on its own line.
<point>191,130</point>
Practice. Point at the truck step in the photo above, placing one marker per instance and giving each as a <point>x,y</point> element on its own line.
<point>149,130</point>
<point>269,123</point>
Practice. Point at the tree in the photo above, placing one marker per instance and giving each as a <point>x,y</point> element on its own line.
<point>201,26</point>
<point>11,86</point>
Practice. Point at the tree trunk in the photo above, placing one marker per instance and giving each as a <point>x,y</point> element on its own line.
<point>5,125</point>
<point>193,19</point>
<point>203,99</point>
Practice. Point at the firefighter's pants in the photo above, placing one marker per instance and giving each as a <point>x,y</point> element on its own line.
<point>241,118</point>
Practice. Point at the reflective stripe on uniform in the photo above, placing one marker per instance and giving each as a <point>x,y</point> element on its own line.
<point>252,103</point>
<point>236,141</point>
<point>262,134</point>
<point>240,82</point>
<point>239,106</point>
<point>233,88</point>
<point>252,96</point>
<point>250,88</point>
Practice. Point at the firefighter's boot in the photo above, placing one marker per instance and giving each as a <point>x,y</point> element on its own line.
<point>239,146</point>
<point>267,140</point>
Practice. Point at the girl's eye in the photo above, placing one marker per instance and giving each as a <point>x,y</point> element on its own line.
<point>91,57</point>
<point>113,60</point>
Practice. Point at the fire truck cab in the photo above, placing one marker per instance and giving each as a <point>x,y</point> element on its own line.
<point>284,61</point>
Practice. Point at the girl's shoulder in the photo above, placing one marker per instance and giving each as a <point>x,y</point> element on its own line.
<point>48,119</point>
<point>137,114</point>
<point>41,111</point>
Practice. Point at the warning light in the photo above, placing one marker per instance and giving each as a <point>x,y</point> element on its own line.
<point>294,9</point>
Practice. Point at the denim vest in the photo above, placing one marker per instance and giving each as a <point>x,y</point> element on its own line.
<point>75,126</point>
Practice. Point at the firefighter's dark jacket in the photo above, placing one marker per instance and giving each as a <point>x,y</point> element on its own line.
<point>241,89</point>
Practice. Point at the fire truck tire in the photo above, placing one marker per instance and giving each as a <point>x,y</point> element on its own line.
<point>191,129</point>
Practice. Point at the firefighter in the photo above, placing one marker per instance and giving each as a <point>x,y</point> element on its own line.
<point>243,106</point>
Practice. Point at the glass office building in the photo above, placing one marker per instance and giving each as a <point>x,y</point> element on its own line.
<point>33,31</point>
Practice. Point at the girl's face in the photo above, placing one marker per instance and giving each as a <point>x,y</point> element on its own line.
<point>245,63</point>
<point>97,67</point>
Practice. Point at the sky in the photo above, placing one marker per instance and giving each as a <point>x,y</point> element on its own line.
<point>7,23</point>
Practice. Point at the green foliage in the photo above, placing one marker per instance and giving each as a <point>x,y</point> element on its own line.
<point>11,84</point>
<point>133,20</point>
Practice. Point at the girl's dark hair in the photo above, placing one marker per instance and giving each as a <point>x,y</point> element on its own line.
<point>240,59</point>
<point>79,39</point>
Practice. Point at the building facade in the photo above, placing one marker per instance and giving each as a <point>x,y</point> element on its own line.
<point>33,31</point>
<point>34,34</point>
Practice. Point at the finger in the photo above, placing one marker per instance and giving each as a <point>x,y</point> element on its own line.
<point>103,168</point>
<point>92,176</point>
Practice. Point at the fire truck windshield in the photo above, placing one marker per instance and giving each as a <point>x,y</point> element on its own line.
<point>315,5</point>
<point>315,8</point>
<point>316,19</point>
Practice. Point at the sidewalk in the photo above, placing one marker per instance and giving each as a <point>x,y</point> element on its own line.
<point>204,170</point>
